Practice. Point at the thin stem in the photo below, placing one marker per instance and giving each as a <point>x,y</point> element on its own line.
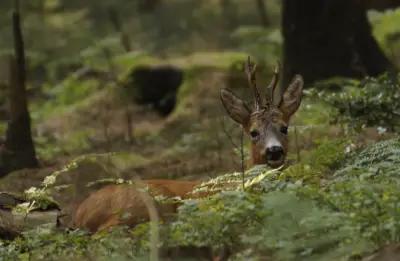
<point>242,157</point>
<point>16,5</point>
<point>154,220</point>
<point>224,129</point>
<point>297,144</point>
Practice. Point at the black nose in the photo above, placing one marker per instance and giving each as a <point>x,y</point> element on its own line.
<point>274,153</point>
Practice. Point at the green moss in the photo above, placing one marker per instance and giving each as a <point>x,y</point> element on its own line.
<point>385,28</point>
<point>75,142</point>
<point>225,60</point>
<point>46,148</point>
<point>126,160</point>
<point>129,61</point>
<point>190,82</point>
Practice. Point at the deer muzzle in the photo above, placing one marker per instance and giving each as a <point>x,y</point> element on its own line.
<point>275,156</point>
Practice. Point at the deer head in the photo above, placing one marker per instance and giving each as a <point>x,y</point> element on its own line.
<point>267,123</point>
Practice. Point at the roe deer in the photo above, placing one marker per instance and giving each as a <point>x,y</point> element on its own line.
<point>267,125</point>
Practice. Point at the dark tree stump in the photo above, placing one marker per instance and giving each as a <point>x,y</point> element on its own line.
<point>18,151</point>
<point>325,38</point>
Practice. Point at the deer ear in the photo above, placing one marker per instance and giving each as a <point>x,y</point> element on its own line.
<point>292,97</point>
<point>236,107</point>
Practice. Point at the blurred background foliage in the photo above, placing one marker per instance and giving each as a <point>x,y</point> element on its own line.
<point>61,35</point>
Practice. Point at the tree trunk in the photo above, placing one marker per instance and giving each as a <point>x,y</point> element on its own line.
<point>262,11</point>
<point>381,5</point>
<point>116,22</point>
<point>229,14</point>
<point>325,38</point>
<point>146,6</point>
<point>19,151</point>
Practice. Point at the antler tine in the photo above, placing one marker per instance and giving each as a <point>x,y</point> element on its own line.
<point>274,82</point>
<point>250,69</point>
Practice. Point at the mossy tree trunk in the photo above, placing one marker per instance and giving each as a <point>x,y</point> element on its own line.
<point>325,38</point>
<point>19,151</point>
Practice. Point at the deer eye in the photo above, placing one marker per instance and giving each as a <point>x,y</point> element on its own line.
<point>254,134</point>
<point>284,130</point>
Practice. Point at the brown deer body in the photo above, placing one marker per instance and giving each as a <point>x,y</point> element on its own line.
<point>267,125</point>
<point>124,204</point>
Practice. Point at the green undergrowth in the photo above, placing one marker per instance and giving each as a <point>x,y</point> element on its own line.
<point>332,206</point>
<point>69,92</point>
<point>77,178</point>
<point>47,243</point>
<point>341,216</point>
<point>369,102</point>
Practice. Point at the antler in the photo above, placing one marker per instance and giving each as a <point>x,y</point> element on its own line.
<point>272,86</point>
<point>250,70</point>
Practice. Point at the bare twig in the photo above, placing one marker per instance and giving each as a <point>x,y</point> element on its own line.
<point>129,129</point>
<point>236,147</point>
<point>110,62</point>
<point>106,123</point>
<point>127,45</point>
<point>219,144</point>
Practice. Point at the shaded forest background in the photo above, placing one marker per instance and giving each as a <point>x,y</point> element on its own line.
<point>76,49</point>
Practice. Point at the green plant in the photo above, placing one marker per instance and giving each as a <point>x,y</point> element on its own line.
<point>370,102</point>
<point>386,31</point>
<point>367,190</point>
